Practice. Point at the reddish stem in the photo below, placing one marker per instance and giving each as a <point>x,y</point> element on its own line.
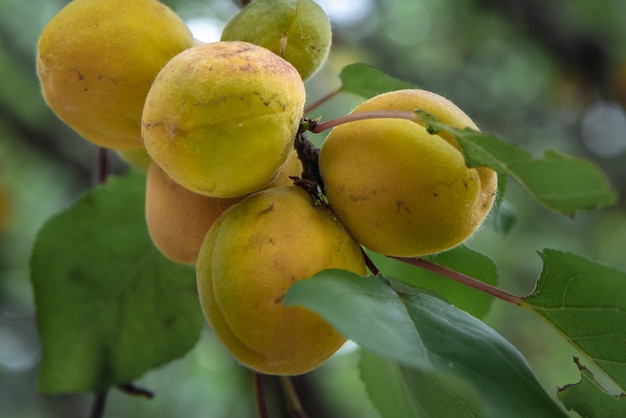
<point>259,396</point>
<point>321,101</point>
<point>464,279</point>
<point>102,168</point>
<point>354,117</point>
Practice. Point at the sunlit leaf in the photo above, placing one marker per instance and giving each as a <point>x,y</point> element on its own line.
<point>425,333</point>
<point>586,302</point>
<point>590,399</point>
<point>559,182</point>
<point>367,81</point>
<point>461,259</point>
<point>109,305</point>
<point>405,392</point>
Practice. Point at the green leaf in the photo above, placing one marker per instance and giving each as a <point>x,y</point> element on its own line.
<point>559,182</point>
<point>404,392</point>
<point>425,333</point>
<point>589,399</point>
<point>367,81</point>
<point>109,306</point>
<point>586,302</point>
<point>395,334</point>
<point>461,259</point>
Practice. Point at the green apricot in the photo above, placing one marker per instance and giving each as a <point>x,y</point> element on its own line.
<point>297,30</point>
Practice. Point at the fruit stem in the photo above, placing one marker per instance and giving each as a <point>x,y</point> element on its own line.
<point>369,263</point>
<point>294,406</point>
<point>464,279</point>
<point>259,396</point>
<point>102,167</point>
<point>98,405</point>
<point>353,117</point>
<point>321,101</point>
<point>134,390</point>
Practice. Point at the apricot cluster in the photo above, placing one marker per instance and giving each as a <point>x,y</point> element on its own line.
<point>215,127</point>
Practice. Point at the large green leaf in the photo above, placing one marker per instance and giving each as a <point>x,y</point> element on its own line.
<point>423,332</point>
<point>367,81</point>
<point>586,302</point>
<point>461,259</point>
<point>559,182</point>
<point>405,392</point>
<point>109,305</point>
<point>589,399</point>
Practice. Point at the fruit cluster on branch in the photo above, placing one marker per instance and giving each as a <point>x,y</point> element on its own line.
<point>220,130</point>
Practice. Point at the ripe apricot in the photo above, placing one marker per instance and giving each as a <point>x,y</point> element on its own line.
<point>297,30</point>
<point>221,118</point>
<point>248,260</point>
<point>399,190</point>
<point>178,219</point>
<point>96,61</point>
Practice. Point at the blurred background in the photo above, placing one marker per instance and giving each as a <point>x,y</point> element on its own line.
<point>544,74</point>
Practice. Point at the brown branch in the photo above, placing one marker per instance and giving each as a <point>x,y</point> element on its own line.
<point>98,405</point>
<point>259,396</point>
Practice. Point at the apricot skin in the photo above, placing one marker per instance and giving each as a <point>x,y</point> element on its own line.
<point>297,30</point>
<point>96,61</point>
<point>399,190</point>
<point>178,219</point>
<point>221,118</point>
<point>248,260</point>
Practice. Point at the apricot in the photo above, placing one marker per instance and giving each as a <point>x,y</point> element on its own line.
<point>96,61</point>
<point>399,190</point>
<point>178,219</point>
<point>221,118</point>
<point>249,258</point>
<point>297,30</point>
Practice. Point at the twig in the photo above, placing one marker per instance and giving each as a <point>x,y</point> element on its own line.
<point>98,405</point>
<point>369,263</point>
<point>259,396</point>
<point>321,101</point>
<point>134,390</point>
<point>294,406</point>
<point>464,279</point>
<point>102,167</point>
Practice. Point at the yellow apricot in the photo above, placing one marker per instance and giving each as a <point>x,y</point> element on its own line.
<point>96,60</point>
<point>291,168</point>
<point>399,190</point>
<point>178,219</point>
<point>221,118</point>
<point>297,30</point>
<point>248,260</point>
